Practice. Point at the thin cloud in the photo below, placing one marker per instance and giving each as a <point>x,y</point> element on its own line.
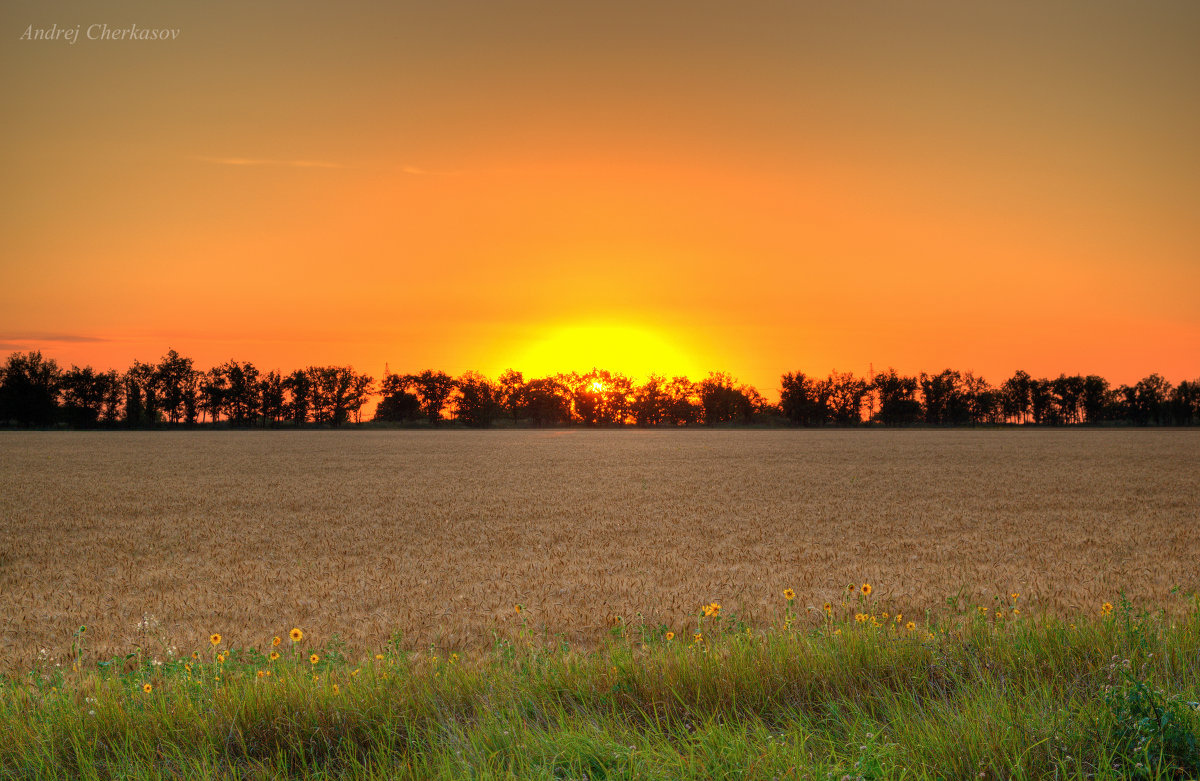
<point>46,336</point>
<point>412,169</point>
<point>255,161</point>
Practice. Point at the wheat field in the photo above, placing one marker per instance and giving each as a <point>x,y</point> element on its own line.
<point>157,539</point>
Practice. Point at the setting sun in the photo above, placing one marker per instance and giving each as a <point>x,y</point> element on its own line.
<point>633,350</point>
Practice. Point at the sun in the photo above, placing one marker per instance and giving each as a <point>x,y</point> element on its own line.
<point>634,350</point>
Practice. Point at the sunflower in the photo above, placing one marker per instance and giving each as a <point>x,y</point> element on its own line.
<point>517,608</point>
<point>910,626</point>
<point>1106,608</point>
<point>215,639</point>
<point>788,594</point>
<point>899,617</point>
<point>314,659</point>
<point>335,688</point>
<point>670,636</point>
<point>696,638</point>
<point>275,641</point>
<point>828,608</point>
<point>274,655</point>
<point>1015,595</point>
<point>147,688</point>
<point>296,635</point>
<point>261,673</point>
<point>865,589</point>
<point>221,658</point>
<point>379,657</point>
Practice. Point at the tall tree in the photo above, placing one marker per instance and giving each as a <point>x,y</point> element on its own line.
<point>396,403</point>
<point>172,377</point>
<point>898,405</point>
<point>477,402</point>
<point>433,389</point>
<point>83,394</point>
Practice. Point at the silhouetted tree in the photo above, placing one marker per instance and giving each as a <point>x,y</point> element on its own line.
<point>651,401</point>
<point>214,387</point>
<point>1016,397</point>
<point>83,394</point>
<point>546,402</point>
<point>271,398</point>
<point>141,395</point>
<point>1185,403</point>
<point>898,405</point>
<point>599,397</point>
<point>722,400</point>
<point>944,398</point>
<point>802,399</point>
<point>847,394</point>
<point>1149,403</point>
<point>298,386</point>
<point>1095,399</point>
<point>241,393</point>
<point>684,407</point>
<point>477,402</point>
<point>433,389</point>
<point>397,404</point>
<point>173,381</point>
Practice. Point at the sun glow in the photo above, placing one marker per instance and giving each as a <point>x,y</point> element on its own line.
<point>634,350</point>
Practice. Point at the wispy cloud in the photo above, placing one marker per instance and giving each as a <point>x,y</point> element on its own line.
<point>412,169</point>
<point>256,161</point>
<point>47,336</point>
<point>32,340</point>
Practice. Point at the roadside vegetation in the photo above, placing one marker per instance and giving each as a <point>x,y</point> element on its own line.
<point>845,690</point>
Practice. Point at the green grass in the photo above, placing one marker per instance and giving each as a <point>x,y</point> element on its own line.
<point>1109,696</point>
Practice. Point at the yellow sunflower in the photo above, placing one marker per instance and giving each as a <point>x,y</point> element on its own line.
<point>865,589</point>
<point>296,635</point>
<point>147,688</point>
<point>670,635</point>
<point>788,594</point>
<point>314,659</point>
<point>215,639</point>
<point>275,641</point>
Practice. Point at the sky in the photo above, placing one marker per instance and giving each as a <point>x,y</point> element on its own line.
<point>753,187</point>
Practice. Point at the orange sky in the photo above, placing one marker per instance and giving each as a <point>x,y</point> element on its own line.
<point>755,187</point>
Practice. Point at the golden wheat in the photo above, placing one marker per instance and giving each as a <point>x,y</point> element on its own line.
<point>163,539</point>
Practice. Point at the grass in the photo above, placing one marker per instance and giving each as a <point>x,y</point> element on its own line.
<point>1001,695</point>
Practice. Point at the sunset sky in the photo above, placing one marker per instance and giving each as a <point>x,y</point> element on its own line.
<point>756,187</point>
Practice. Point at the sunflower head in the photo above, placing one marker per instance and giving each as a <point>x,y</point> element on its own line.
<point>147,688</point>
<point>275,641</point>
<point>670,635</point>
<point>314,659</point>
<point>1106,608</point>
<point>788,594</point>
<point>296,635</point>
<point>865,589</point>
<point>274,655</point>
<point>910,626</point>
<point>215,639</point>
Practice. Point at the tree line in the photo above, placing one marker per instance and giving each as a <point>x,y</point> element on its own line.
<point>36,391</point>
